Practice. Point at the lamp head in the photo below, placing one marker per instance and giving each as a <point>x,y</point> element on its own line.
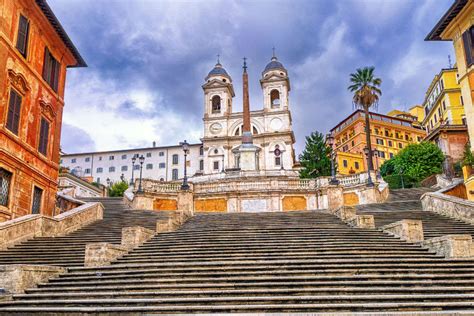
<point>330,139</point>
<point>185,146</point>
<point>141,159</point>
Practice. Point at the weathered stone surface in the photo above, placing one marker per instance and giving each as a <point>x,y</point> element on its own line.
<point>350,199</point>
<point>450,206</point>
<point>142,202</point>
<point>335,197</point>
<point>30,226</point>
<point>210,205</point>
<point>407,229</point>
<point>362,221</point>
<point>451,246</point>
<point>294,203</point>
<point>346,213</point>
<point>16,278</point>
<point>135,236</point>
<point>186,201</point>
<point>160,204</point>
<point>254,205</point>
<point>102,253</point>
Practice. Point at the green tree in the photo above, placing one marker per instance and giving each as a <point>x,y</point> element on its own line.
<point>365,87</point>
<point>315,157</point>
<point>414,163</point>
<point>118,188</point>
<point>468,156</point>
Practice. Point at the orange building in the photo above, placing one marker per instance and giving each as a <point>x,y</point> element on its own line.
<point>34,54</point>
<point>388,134</point>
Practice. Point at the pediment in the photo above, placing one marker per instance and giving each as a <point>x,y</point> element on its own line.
<point>18,81</point>
<point>47,110</point>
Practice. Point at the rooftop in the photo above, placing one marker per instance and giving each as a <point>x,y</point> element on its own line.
<point>453,11</point>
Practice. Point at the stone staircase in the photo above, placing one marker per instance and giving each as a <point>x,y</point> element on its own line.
<point>68,251</point>
<point>405,204</point>
<point>261,262</point>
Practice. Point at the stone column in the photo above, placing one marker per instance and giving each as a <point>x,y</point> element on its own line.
<point>335,197</point>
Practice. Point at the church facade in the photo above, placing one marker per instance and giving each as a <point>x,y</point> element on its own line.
<point>270,126</point>
<point>218,154</point>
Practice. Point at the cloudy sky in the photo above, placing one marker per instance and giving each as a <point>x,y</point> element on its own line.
<point>148,59</point>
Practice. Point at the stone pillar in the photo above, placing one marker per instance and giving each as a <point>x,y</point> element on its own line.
<point>451,246</point>
<point>102,253</point>
<point>363,221</point>
<point>135,236</point>
<point>142,202</point>
<point>409,230</point>
<point>18,277</point>
<point>335,197</point>
<point>346,213</point>
<point>186,202</point>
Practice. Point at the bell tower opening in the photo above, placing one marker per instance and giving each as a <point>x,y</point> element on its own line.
<point>275,98</point>
<point>216,104</point>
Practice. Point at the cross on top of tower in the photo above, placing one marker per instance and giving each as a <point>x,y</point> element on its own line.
<point>245,64</point>
<point>218,59</point>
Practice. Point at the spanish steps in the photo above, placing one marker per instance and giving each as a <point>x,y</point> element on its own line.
<point>252,262</point>
<point>68,251</point>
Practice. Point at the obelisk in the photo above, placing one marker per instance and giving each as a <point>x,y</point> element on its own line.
<point>247,151</point>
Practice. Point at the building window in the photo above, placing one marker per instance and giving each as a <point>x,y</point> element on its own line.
<point>14,110</point>
<point>111,169</point>
<point>379,141</point>
<point>51,70</point>
<point>201,151</point>
<point>400,145</point>
<point>216,165</point>
<point>87,171</point>
<point>162,165</point>
<point>22,37</point>
<point>136,167</point>
<point>73,160</point>
<point>444,106</point>
<point>381,154</point>
<point>391,155</point>
<point>216,104</point>
<point>124,157</point>
<point>43,138</point>
<point>37,195</point>
<point>174,174</point>
<point>344,163</point>
<point>386,133</point>
<point>175,159</point>
<point>88,159</point>
<point>124,168</point>
<point>275,98</point>
<point>161,153</point>
<point>111,157</point>
<point>462,101</point>
<point>149,166</point>
<point>5,181</point>
<point>345,148</point>
<point>100,158</point>
<point>468,42</point>
<point>464,122</point>
<point>100,170</point>
<point>390,143</point>
<point>277,161</point>
<point>148,155</point>
<point>356,165</point>
<point>201,165</point>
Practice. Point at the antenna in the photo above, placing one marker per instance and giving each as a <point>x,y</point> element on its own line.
<point>449,62</point>
<point>218,58</point>
<point>273,49</point>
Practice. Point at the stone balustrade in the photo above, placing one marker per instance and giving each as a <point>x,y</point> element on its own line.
<point>26,227</point>
<point>448,205</point>
<point>409,230</point>
<point>451,246</point>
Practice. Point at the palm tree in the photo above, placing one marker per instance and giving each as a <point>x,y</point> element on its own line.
<point>366,95</point>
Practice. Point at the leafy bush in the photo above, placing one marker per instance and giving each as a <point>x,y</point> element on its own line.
<point>117,189</point>
<point>387,168</point>
<point>394,181</point>
<point>468,157</point>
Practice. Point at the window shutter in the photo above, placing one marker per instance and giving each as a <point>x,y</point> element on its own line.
<point>16,114</point>
<point>467,41</point>
<point>46,65</point>
<point>56,75</point>
<point>43,139</point>
<point>11,110</point>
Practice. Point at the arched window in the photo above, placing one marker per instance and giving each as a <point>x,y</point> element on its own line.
<point>275,98</point>
<point>237,132</point>
<point>201,151</point>
<point>216,104</point>
<point>254,130</point>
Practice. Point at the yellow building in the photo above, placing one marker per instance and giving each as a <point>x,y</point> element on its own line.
<point>388,136</point>
<point>418,112</point>
<point>444,114</point>
<point>457,25</point>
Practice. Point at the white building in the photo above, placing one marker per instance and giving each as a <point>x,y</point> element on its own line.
<point>271,128</point>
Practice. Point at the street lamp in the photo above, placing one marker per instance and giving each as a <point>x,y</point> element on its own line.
<point>134,158</point>
<point>369,178</point>
<point>141,159</point>
<point>185,146</point>
<point>330,142</point>
<point>377,169</point>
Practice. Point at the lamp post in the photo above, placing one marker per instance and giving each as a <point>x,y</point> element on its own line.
<point>185,146</point>
<point>369,178</point>
<point>141,159</point>
<point>108,186</point>
<point>134,158</point>
<point>401,178</point>
<point>330,142</point>
<point>377,170</point>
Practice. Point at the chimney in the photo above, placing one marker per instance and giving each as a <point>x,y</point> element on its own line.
<point>154,144</point>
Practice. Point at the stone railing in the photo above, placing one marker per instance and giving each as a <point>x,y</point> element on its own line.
<point>450,206</point>
<point>26,227</point>
<point>149,185</point>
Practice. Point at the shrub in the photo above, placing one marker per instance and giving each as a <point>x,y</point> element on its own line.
<point>394,181</point>
<point>117,189</point>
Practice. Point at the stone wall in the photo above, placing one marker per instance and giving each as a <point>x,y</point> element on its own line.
<point>451,246</point>
<point>165,204</point>
<point>450,206</point>
<point>30,226</point>
<point>210,205</point>
<point>294,203</point>
<point>407,229</point>
<point>18,277</point>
